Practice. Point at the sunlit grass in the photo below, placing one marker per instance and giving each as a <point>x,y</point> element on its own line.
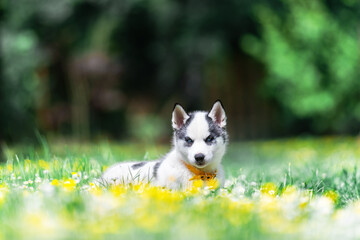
<point>298,189</point>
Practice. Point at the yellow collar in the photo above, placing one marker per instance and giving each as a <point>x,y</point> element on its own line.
<point>199,174</point>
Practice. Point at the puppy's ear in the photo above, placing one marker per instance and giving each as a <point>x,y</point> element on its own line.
<point>179,117</point>
<point>217,114</point>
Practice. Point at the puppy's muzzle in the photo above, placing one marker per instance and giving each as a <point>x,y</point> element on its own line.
<point>199,159</point>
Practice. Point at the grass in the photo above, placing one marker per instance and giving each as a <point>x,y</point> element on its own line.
<point>284,189</point>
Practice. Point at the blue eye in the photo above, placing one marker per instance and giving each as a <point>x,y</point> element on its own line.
<point>188,140</point>
<point>209,139</point>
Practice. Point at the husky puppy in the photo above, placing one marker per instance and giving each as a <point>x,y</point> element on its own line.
<point>199,143</point>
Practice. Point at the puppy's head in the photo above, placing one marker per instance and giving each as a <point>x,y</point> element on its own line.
<point>200,137</point>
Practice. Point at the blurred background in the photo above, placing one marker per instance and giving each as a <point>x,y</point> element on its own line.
<point>86,69</point>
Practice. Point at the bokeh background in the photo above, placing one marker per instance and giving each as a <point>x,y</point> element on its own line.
<point>87,69</point>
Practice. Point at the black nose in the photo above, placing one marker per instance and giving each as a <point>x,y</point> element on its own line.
<point>199,157</point>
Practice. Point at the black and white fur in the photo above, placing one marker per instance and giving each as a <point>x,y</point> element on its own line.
<point>199,139</point>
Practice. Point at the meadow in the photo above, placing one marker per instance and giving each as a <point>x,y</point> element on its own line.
<point>280,189</point>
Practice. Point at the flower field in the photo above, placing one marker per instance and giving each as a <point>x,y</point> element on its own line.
<point>285,189</point>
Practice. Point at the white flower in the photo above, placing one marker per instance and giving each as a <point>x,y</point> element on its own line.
<point>238,190</point>
<point>76,176</point>
<point>228,183</point>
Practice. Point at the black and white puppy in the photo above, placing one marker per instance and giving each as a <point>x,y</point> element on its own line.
<point>199,144</point>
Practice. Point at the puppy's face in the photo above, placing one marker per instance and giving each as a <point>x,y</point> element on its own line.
<point>200,137</point>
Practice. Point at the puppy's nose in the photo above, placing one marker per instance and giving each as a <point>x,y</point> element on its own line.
<point>199,157</point>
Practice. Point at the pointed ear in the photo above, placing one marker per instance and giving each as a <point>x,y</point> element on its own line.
<point>217,114</point>
<point>179,117</point>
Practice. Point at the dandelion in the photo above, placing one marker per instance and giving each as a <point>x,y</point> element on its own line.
<point>213,184</point>
<point>289,190</point>
<point>96,190</point>
<point>198,183</point>
<point>55,182</point>
<point>69,184</point>
<point>269,189</point>
<point>332,195</point>
<point>117,190</point>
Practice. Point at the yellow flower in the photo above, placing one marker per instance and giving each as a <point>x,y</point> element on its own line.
<point>43,164</point>
<point>96,190</point>
<point>332,195</point>
<point>269,189</point>
<point>289,190</point>
<point>69,184</point>
<point>117,190</point>
<point>138,186</point>
<point>9,168</point>
<point>196,186</point>
<point>212,184</point>
<point>198,183</point>
<point>55,182</point>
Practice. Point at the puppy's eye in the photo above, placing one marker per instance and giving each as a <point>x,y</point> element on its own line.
<point>209,139</point>
<point>188,140</point>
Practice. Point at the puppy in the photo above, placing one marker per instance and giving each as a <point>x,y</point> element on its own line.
<point>199,144</point>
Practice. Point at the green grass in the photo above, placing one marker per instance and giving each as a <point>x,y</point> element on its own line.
<point>283,189</point>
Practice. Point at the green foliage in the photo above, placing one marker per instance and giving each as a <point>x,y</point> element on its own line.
<point>22,58</point>
<point>21,88</point>
<point>312,58</point>
<point>166,50</point>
